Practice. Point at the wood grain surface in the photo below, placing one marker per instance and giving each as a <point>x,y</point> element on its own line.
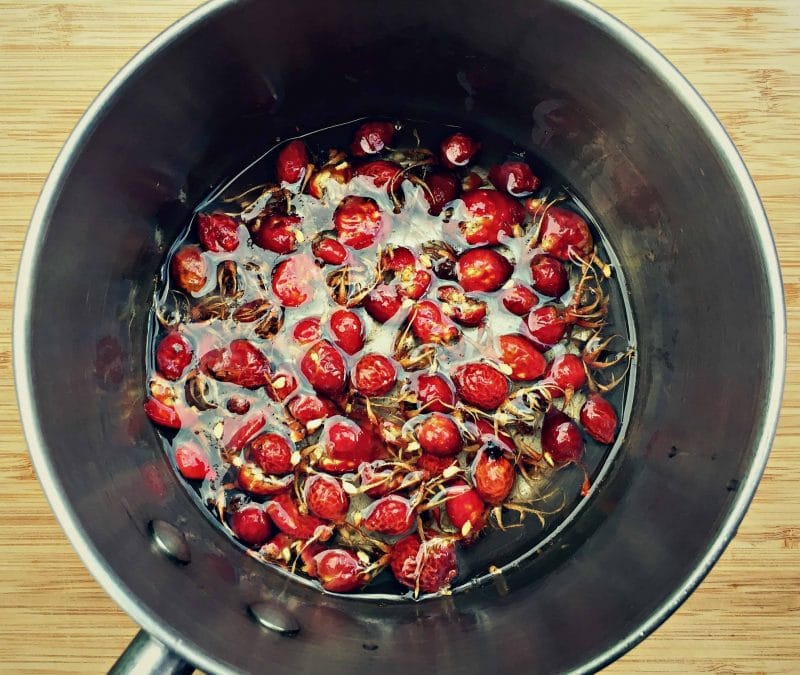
<point>743,57</point>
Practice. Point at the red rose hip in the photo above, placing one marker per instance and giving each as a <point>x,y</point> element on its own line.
<point>292,162</point>
<point>491,216</point>
<point>561,438</point>
<point>348,331</point>
<point>458,150</point>
<point>173,355</point>
<point>371,137</point>
<point>599,419</point>
<point>481,385</point>
<point>374,375</point>
<point>549,276</point>
<point>326,498</point>
<point>515,178</point>
<point>217,232</point>
<point>483,269</point>
<point>434,394</point>
<point>192,461</point>
<point>324,368</point>
<point>189,269</point>
<point>251,525</point>
<point>522,357</point>
<point>439,435</point>
<point>273,453</point>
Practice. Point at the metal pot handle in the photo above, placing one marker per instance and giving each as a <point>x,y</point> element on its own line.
<point>147,656</point>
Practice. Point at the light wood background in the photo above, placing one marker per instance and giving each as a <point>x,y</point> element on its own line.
<point>743,57</point>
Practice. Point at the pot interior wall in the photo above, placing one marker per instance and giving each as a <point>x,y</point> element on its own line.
<point>214,99</point>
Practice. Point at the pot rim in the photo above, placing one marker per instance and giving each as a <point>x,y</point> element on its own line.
<point>638,47</point>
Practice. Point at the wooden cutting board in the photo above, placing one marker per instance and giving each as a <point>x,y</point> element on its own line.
<point>743,57</point>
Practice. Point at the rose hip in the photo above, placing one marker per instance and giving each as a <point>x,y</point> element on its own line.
<point>346,445</point>
<point>481,385</point>
<point>189,269</point>
<point>483,269</point>
<point>599,419</point>
<point>381,171</point>
<point>443,188</point>
<point>251,524</point>
<point>340,570</point>
<point>374,375</point>
<point>566,373</point>
<point>427,566</point>
<point>493,475</point>
<point>458,150</point>
<point>324,368</point>
<point>308,409</point>
<point>383,302</point>
<point>433,465</point>
<point>192,461</point>
<point>464,505</point>
<point>241,363</point>
<point>330,251</point>
<point>429,325</point>
<point>292,162</point>
<point>460,307</point>
<point>563,232</point>
<point>238,405</point>
<point>519,299</point>
<point>492,215</point>
<point>217,232</point>
<point>522,357</point>
<point>326,498</point>
<point>547,325</point>
<point>173,355</point>
<point>288,519</point>
<point>516,178</point>
<point>371,137</point>
<point>291,283</point>
<point>307,330</point>
<point>255,482</point>
<point>561,438</point>
<point>549,276</point>
<point>278,234</point>
<point>434,394</point>
<point>273,453</point>
<point>358,221</point>
<point>439,435</point>
<point>392,515</point>
<point>347,330</point>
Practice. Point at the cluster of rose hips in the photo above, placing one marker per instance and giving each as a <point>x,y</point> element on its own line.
<point>331,456</point>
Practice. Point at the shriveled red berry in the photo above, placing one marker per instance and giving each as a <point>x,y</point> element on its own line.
<point>340,570</point>
<point>481,385</point>
<point>429,325</point>
<point>273,453</point>
<point>381,171</point>
<point>439,435</point>
<point>240,363</point>
<point>358,221</point>
<point>292,162</point>
<point>383,302</point>
<point>287,518</point>
<point>346,445</point>
<point>433,465</point>
<point>549,276</point>
<point>374,375</point>
<point>307,330</point>
<point>283,384</point>
<point>493,475</point>
<point>392,515</point>
<point>412,283</point>
<point>563,231</point>
<point>444,188</point>
<point>329,250</point>
<point>324,368</point>
<point>461,308</point>
<point>397,258</point>
<point>217,232</point>
<point>307,409</point>
<point>291,281</point>
<point>173,355</point>
<point>483,269</point>
<point>566,373</point>
<point>599,419</point>
<point>519,299</point>
<point>347,330</point>
<point>516,178</point>
<point>458,150</point>
<point>428,566</point>
<point>238,405</point>
<point>189,269</point>
<point>371,137</point>
<point>464,505</point>
<point>434,393</point>
<point>340,173</point>
<point>326,497</point>
<point>561,438</point>
<point>251,524</point>
<point>547,325</point>
<point>277,233</point>
<point>492,215</point>
<point>521,355</point>
<point>192,461</point>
